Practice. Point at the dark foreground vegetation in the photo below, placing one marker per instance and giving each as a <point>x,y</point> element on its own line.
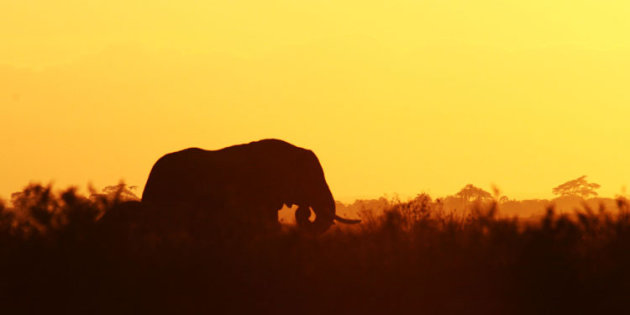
<point>56,256</point>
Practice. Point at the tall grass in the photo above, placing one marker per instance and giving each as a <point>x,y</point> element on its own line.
<point>413,257</point>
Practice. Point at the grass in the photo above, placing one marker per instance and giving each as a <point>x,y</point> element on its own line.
<point>412,257</point>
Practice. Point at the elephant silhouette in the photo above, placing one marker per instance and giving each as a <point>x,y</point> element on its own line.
<point>242,185</point>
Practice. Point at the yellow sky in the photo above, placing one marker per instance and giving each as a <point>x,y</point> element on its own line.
<point>393,96</point>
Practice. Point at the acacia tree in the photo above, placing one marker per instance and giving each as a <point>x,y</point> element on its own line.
<point>125,192</point>
<point>578,187</point>
<point>470,192</point>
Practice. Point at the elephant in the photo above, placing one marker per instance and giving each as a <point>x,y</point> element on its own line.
<point>243,184</point>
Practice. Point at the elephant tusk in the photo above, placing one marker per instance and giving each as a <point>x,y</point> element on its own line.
<point>346,221</point>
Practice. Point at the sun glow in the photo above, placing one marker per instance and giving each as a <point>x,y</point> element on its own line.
<point>394,97</point>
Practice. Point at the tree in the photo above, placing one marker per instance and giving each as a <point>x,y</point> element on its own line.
<point>120,192</point>
<point>578,187</point>
<point>470,192</point>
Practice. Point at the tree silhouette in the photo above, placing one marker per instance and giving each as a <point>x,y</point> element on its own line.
<point>578,187</point>
<point>470,192</point>
<point>120,192</point>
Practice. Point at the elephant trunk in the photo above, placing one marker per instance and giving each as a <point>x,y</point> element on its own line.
<point>324,216</point>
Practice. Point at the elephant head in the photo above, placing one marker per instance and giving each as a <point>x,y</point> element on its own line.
<point>313,196</point>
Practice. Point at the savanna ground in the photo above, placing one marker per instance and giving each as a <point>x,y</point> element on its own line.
<point>406,257</point>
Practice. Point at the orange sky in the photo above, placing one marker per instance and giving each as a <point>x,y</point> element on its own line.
<point>394,96</point>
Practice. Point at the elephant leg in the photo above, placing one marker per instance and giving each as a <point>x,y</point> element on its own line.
<point>267,218</point>
<point>271,218</point>
<point>259,218</point>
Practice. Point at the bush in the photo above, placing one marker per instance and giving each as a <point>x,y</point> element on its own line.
<point>414,257</point>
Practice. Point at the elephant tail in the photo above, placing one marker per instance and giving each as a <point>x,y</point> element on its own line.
<point>346,221</point>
